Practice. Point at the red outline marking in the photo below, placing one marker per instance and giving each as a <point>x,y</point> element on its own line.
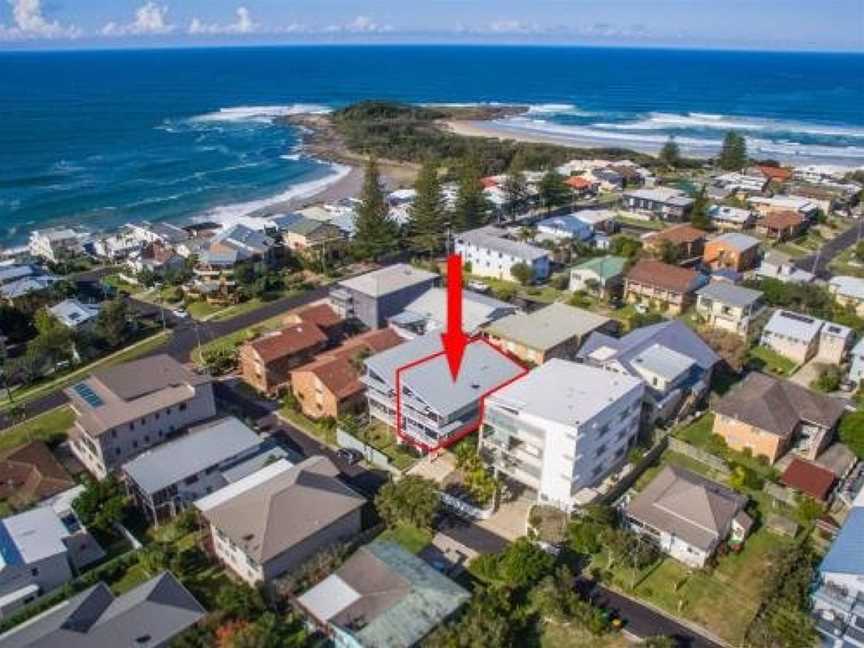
<point>471,427</point>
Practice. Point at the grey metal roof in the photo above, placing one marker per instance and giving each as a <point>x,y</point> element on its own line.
<point>245,238</point>
<point>846,555</point>
<point>477,309</point>
<point>737,240</point>
<point>10,273</point>
<point>73,313</point>
<point>148,616</point>
<point>794,325</point>
<point>663,361</point>
<point>385,596</point>
<point>204,446</point>
<point>548,327</point>
<point>494,238</point>
<point>483,368</point>
<point>388,280</point>
<point>727,293</point>
<point>688,506</point>
<point>25,286</point>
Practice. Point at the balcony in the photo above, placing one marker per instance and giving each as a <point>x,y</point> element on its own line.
<point>513,426</point>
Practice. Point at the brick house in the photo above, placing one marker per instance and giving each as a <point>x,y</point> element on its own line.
<point>661,284</point>
<point>733,251</point>
<point>266,362</point>
<point>688,242</point>
<point>781,225</point>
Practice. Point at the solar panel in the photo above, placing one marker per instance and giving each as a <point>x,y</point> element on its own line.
<point>90,397</point>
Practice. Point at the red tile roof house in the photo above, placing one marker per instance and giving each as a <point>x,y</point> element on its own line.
<point>777,174</point>
<point>688,242</point>
<point>321,315</point>
<point>659,284</point>
<point>809,478</point>
<point>781,225</point>
<point>266,363</point>
<point>580,185</point>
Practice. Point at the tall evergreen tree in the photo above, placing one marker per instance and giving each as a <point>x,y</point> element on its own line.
<point>670,154</point>
<point>733,155</point>
<point>472,207</point>
<point>553,191</point>
<point>515,189</point>
<point>699,213</point>
<point>375,232</point>
<point>427,216</point>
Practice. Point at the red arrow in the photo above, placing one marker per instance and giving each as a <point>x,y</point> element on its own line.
<point>454,339</point>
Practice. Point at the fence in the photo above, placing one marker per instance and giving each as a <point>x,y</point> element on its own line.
<point>461,507</point>
<point>370,454</point>
<point>710,460</point>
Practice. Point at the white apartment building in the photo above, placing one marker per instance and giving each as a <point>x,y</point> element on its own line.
<point>561,428</point>
<point>51,244</point>
<point>124,410</point>
<point>491,254</point>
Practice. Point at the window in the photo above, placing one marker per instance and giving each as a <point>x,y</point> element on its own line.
<point>182,407</point>
<point>191,480</point>
<point>134,444</point>
<point>601,450</point>
<point>34,571</point>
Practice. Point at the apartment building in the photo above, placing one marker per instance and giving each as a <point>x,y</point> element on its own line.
<point>434,407</point>
<point>561,428</point>
<point>373,298</point>
<point>122,411</point>
<point>167,479</point>
<point>848,291</point>
<point>54,243</point>
<point>662,285</point>
<point>428,313</point>
<point>275,519</point>
<point>266,362</point>
<point>727,307</point>
<point>663,202</point>
<point>491,254</point>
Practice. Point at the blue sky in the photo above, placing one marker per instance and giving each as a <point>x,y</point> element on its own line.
<point>745,24</point>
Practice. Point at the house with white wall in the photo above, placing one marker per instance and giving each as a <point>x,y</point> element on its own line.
<point>491,254</point>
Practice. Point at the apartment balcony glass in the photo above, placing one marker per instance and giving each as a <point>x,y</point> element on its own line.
<point>513,426</point>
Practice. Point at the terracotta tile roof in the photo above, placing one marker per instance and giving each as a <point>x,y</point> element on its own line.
<point>318,314</point>
<point>288,341</point>
<point>678,234</point>
<point>489,182</point>
<point>577,182</point>
<point>775,173</point>
<point>335,369</point>
<point>663,275</point>
<point>31,472</point>
<point>809,478</point>
<point>782,219</point>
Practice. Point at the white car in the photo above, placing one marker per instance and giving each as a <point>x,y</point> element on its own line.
<point>179,313</point>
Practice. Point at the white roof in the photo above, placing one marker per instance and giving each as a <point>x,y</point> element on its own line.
<point>848,286</point>
<point>730,214</point>
<point>388,280</point>
<point>662,361</point>
<point>594,216</point>
<point>795,203</point>
<point>34,535</point>
<point>241,486</point>
<point>72,313</point>
<point>477,309</point>
<point>794,325</point>
<point>329,597</point>
<point>566,392</point>
<point>493,238</point>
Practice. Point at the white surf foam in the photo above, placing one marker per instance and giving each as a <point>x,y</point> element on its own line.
<point>259,114</point>
<point>558,109</point>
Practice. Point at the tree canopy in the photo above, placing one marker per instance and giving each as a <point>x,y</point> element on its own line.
<point>733,154</point>
<point>427,216</point>
<point>670,154</point>
<point>411,500</point>
<point>376,234</point>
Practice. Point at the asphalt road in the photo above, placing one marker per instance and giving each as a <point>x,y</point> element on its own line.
<point>818,263</point>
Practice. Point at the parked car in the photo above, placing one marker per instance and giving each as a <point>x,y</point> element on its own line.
<point>180,313</point>
<point>349,455</point>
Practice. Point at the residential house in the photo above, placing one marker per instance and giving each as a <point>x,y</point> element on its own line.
<point>838,593</point>
<point>117,246</point>
<point>809,479</point>
<point>662,285</point>
<point>683,243</point>
<point>434,408</point>
<point>164,234</point>
<point>74,315</point>
<point>428,313</point>
<point>321,315</point>
<point>688,516</point>
<point>731,218</point>
<point>329,386</point>
<point>581,187</point>
<point>55,243</point>
<point>382,595</point>
<point>266,362</point>
<point>167,479</point>
<point>314,239</point>
<point>740,184</point>
<point>727,307</point>
<point>856,357</point>
<point>673,361</point>
<point>41,552</point>
<point>601,221</point>
<point>765,205</point>
<point>122,411</point>
<point>663,202</point>
<point>19,280</point>
<point>773,173</point>
<point>733,251</point>
<point>802,337</point>
<point>489,253</point>
<point>222,253</point>
<point>153,257</point>
<point>567,227</point>
<point>554,331</point>
<point>780,266</point>
<point>781,225</point>
<point>602,276</point>
<point>561,428</point>
<point>608,178</point>
<point>275,519</point>
<point>31,473</point>
<point>373,298</point>
<point>149,615</point>
<point>848,291</point>
<point>770,417</point>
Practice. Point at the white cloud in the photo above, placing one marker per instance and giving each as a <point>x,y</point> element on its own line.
<point>512,27</point>
<point>30,22</point>
<point>360,25</point>
<point>150,19</point>
<point>243,25</point>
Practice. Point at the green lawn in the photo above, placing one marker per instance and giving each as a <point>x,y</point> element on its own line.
<point>846,264</point>
<point>237,338</point>
<point>136,350</point>
<point>768,360</point>
<point>543,293</point>
<point>250,305</point>
<point>201,309</point>
<point>315,428</point>
<point>409,537</point>
<point>50,426</point>
<point>573,636</point>
<point>133,577</point>
<point>699,433</point>
<point>638,222</point>
<point>380,437</point>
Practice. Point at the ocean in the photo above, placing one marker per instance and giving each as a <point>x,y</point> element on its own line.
<point>100,138</point>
